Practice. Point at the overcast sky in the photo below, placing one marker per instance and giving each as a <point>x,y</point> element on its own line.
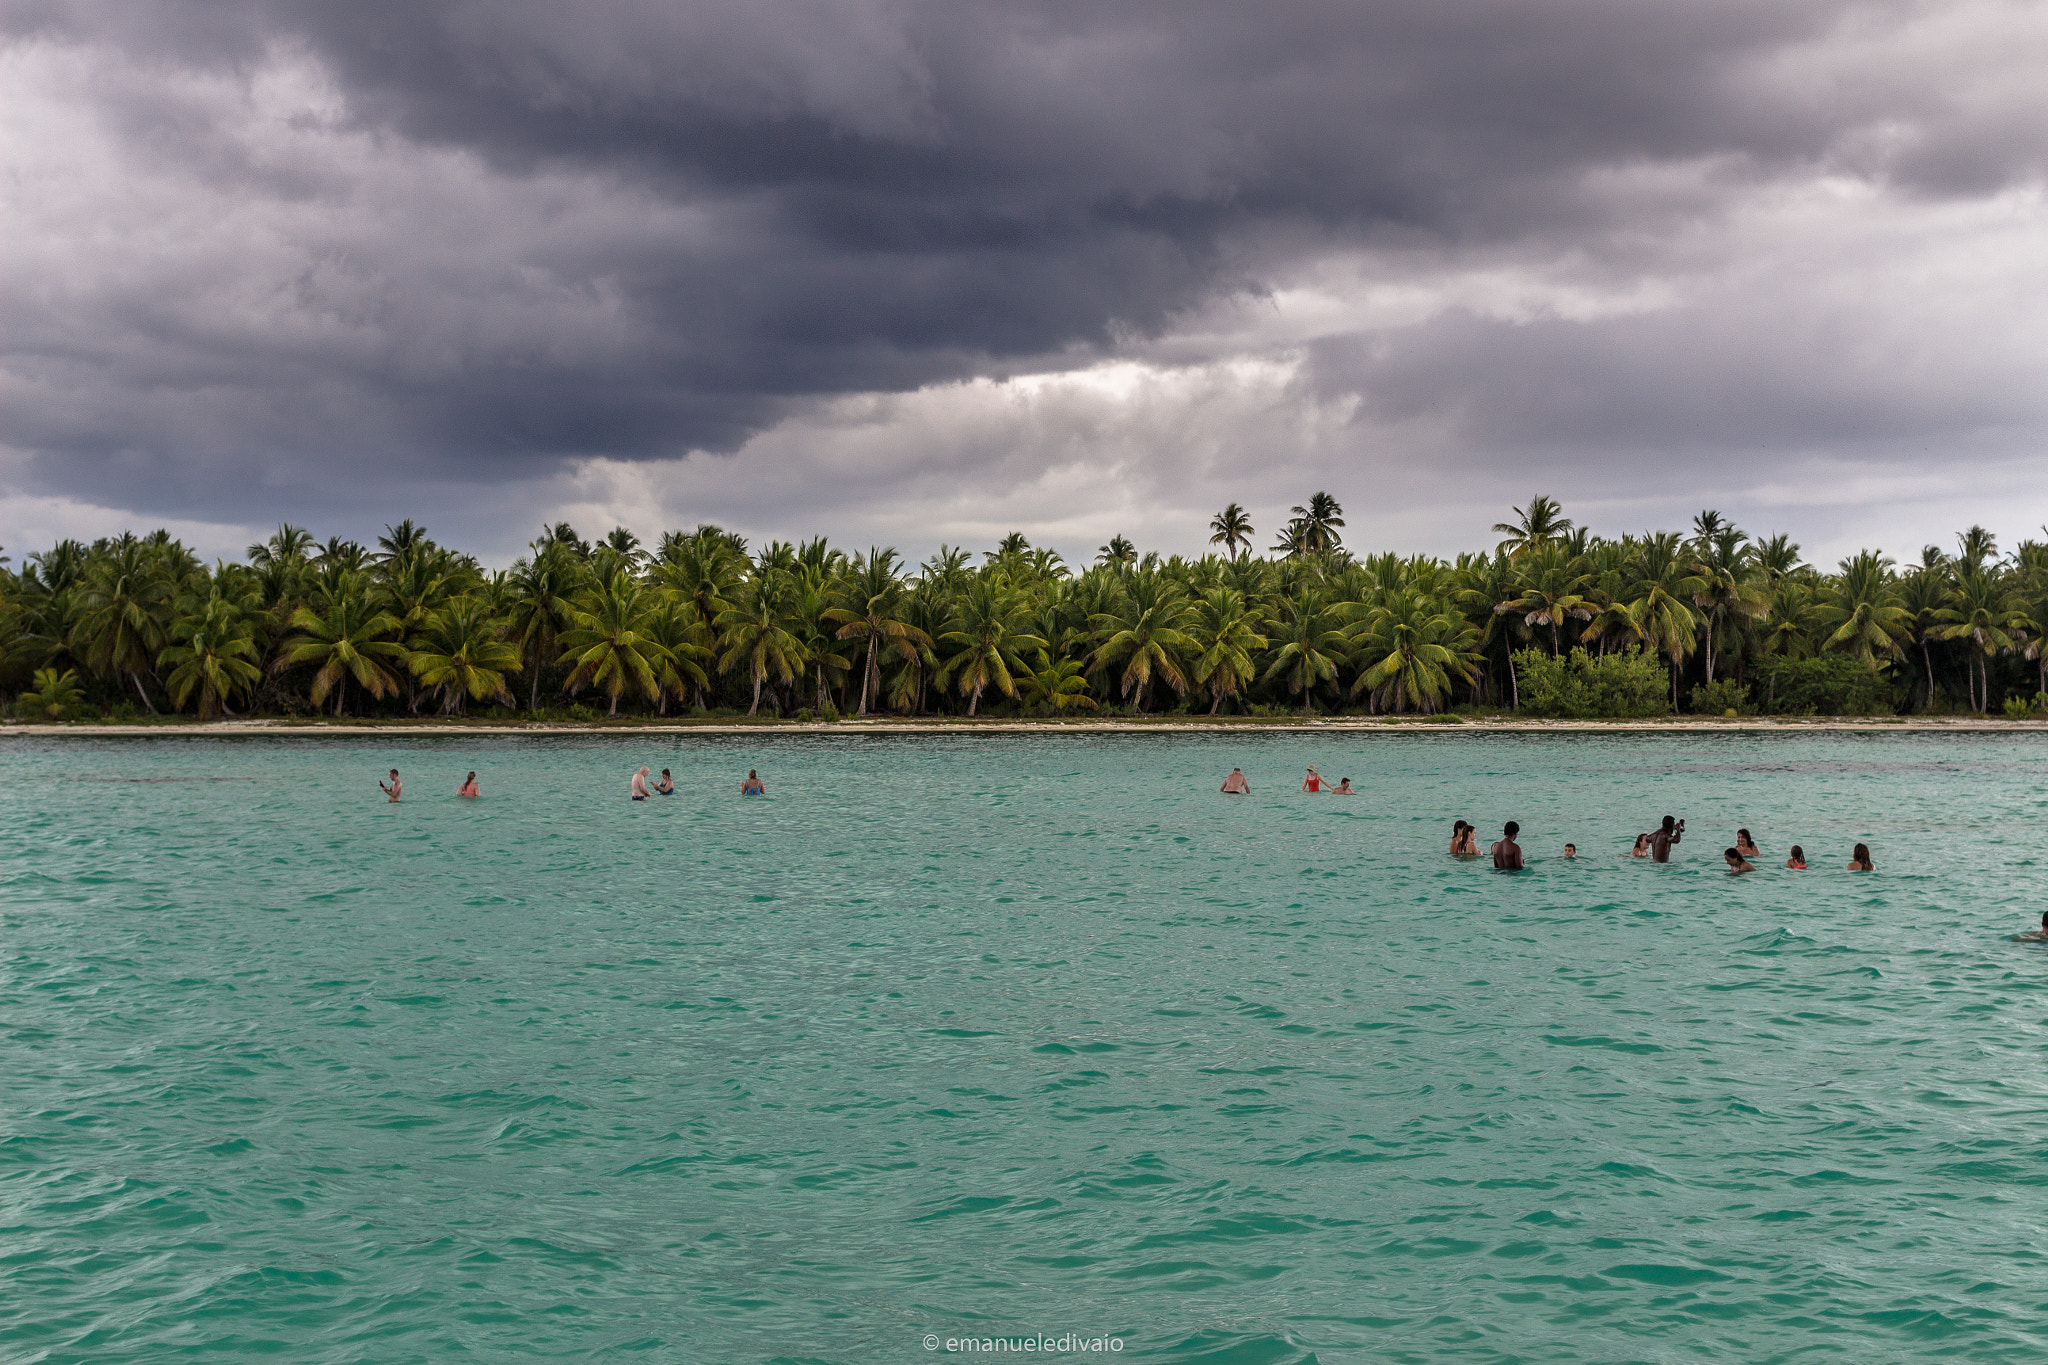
<point>910,273</point>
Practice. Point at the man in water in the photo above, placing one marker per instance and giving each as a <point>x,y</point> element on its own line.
<point>752,786</point>
<point>1737,864</point>
<point>1344,789</point>
<point>1507,854</point>
<point>1571,850</point>
<point>640,785</point>
<point>1669,833</point>
<point>392,788</point>
<point>1235,785</point>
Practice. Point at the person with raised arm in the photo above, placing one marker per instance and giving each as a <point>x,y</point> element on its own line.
<point>1668,833</point>
<point>393,787</point>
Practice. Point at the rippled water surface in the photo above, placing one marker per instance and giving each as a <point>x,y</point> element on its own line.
<point>1010,1036</point>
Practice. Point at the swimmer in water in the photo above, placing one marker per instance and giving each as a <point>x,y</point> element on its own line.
<point>639,788</point>
<point>1235,784</point>
<point>468,788</point>
<point>1313,782</point>
<point>1797,862</point>
<point>667,785</point>
<point>1507,854</point>
<point>393,787</point>
<point>1471,848</point>
<point>2039,935</point>
<point>1344,789</point>
<point>1460,832</point>
<point>1642,848</point>
<point>1745,845</point>
<point>1668,833</point>
<point>1859,859</point>
<point>1737,864</point>
<point>1571,850</point>
<point>752,786</point>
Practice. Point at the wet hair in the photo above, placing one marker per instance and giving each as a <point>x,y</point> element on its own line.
<point>472,774</point>
<point>1799,853</point>
<point>1731,853</point>
<point>2044,921</point>
<point>1669,822</point>
<point>1457,825</point>
<point>1511,829</point>
<point>1573,847</point>
<point>752,773</point>
<point>1743,835</point>
<point>394,772</point>
<point>1862,854</point>
<point>664,772</point>
<point>1642,839</point>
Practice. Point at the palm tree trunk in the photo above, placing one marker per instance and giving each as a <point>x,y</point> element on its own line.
<point>974,700</point>
<point>533,692</point>
<point>1514,683</point>
<point>866,675</point>
<point>757,693</point>
<point>140,692</point>
<point>615,704</point>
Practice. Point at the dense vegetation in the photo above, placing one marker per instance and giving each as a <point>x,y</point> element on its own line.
<point>1554,620</point>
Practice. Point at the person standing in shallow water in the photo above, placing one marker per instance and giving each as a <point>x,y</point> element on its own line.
<point>667,785</point>
<point>753,785</point>
<point>1235,784</point>
<point>1797,862</point>
<point>1507,854</point>
<point>1668,833</point>
<point>393,787</point>
<point>1859,860</point>
<point>468,789</point>
<point>638,790</point>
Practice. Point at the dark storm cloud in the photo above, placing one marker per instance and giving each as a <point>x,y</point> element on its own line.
<point>769,204</point>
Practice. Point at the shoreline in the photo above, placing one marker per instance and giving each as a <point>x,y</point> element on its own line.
<point>220,729</point>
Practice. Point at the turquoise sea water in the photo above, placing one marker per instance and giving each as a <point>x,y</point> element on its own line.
<point>1002,1037</point>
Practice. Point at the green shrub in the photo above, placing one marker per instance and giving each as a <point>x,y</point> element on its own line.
<point>1586,686</point>
<point>1725,697</point>
<point>582,714</point>
<point>1825,685</point>
<point>124,710</point>
<point>2019,708</point>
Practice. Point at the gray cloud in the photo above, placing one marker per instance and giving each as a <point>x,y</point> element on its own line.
<point>323,259</point>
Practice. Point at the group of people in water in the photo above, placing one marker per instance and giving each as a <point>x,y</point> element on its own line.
<point>1507,853</point>
<point>639,790</point>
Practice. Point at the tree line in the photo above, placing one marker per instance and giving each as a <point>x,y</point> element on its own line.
<point>1552,619</point>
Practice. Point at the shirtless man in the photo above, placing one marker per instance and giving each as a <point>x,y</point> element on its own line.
<point>1507,854</point>
<point>468,789</point>
<point>1669,833</point>
<point>1737,864</point>
<point>1571,850</point>
<point>392,788</point>
<point>1235,784</point>
<point>1344,789</point>
<point>752,786</point>
<point>640,785</point>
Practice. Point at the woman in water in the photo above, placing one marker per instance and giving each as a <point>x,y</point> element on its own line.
<point>667,785</point>
<point>752,786</point>
<point>1797,862</point>
<point>1737,864</point>
<point>1745,845</point>
<point>1313,782</point>
<point>1463,845</point>
<point>1642,848</point>
<point>468,787</point>
<point>1859,861</point>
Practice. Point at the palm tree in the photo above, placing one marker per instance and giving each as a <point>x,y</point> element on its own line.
<point>1224,630</point>
<point>1306,647</point>
<point>124,607</point>
<point>1317,525</point>
<point>1232,529</point>
<point>1921,595</point>
<point>1549,584</point>
<point>1981,612</point>
<point>1057,684</point>
<point>51,696</point>
<point>464,654</point>
<point>756,633</point>
<point>541,589</point>
<point>1144,634</point>
<point>987,630</point>
<point>1412,649</point>
<point>681,637</point>
<point>1776,557</point>
<point>873,613</point>
<point>1727,591</point>
<point>1660,599</point>
<point>1861,613</point>
<point>1118,554</point>
<point>403,541</point>
<point>347,636</point>
<point>214,655</point>
<point>608,643</point>
<point>1543,520</point>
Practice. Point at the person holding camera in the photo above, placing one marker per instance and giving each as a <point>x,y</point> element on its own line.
<point>1669,833</point>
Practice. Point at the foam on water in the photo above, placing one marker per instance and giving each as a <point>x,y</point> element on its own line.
<point>1003,1036</point>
